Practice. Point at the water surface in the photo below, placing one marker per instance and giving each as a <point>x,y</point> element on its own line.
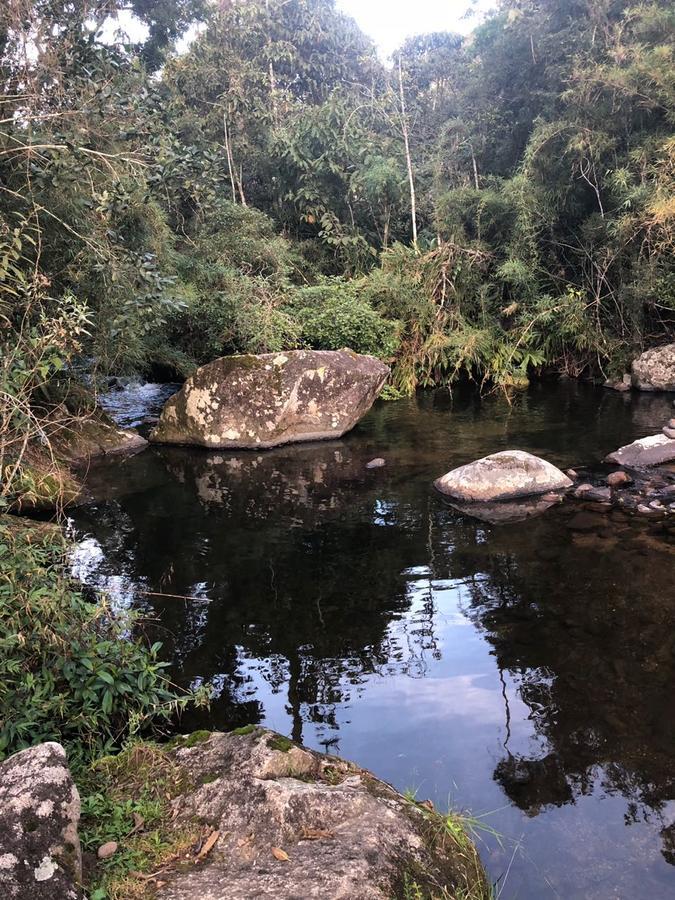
<point>525,672</point>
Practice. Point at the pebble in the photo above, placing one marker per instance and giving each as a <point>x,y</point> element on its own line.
<point>669,432</point>
<point>616,479</point>
<point>376,463</point>
<point>571,473</point>
<point>583,489</point>
<point>105,851</point>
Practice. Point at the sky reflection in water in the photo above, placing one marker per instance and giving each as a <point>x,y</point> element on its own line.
<point>524,671</point>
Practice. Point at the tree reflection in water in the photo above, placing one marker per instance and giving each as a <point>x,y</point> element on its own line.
<point>312,575</point>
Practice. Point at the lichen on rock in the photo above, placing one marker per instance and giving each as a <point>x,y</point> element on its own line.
<point>502,476</point>
<point>295,823</point>
<point>263,401</point>
<point>39,814</point>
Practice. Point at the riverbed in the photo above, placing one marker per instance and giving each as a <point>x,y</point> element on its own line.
<point>524,672</point>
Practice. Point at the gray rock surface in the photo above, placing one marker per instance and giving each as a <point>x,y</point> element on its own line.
<point>654,370</point>
<point>502,476</point>
<point>272,399</point>
<point>39,813</point>
<point>647,451</point>
<point>297,825</point>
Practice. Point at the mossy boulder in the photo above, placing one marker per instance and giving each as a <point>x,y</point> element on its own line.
<point>272,399</point>
<point>295,823</point>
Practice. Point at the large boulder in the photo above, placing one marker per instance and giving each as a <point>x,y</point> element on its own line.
<point>272,399</point>
<point>647,451</point>
<point>293,823</point>
<point>39,813</point>
<point>654,370</point>
<point>502,476</point>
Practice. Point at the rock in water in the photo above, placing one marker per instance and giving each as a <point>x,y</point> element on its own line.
<point>654,370</point>
<point>293,823</point>
<point>272,399</point>
<point>39,812</point>
<point>647,451</point>
<point>502,476</point>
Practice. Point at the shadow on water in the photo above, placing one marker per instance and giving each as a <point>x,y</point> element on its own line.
<point>526,668</point>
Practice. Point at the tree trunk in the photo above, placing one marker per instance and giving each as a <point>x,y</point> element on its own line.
<point>408,159</point>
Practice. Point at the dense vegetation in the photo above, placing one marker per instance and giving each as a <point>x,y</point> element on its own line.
<point>486,207</point>
<point>65,672</point>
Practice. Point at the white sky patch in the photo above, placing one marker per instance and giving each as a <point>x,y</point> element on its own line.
<point>387,22</point>
<point>390,22</point>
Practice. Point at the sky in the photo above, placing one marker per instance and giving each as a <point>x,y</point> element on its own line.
<point>387,22</point>
<point>390,22</point>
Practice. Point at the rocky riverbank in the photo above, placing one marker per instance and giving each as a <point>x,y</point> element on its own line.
<point>245,814</point>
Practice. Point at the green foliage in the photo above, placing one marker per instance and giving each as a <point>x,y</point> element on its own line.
<point>127,799</point>
<point>70,669</point>
<point>334,314</point>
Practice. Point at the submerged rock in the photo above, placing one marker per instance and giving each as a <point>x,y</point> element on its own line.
<point>502,476</point>
<point>272,399</point>
<point>293,823</point>
<point>39,813</point>
<point>619,384</point>
<point>647,451</point>
<point>98,437</point>
<point>654,370</point>
<point>377,463</point>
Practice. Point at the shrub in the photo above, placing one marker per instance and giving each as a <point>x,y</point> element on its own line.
<point>70,669</point>
<point>334,314</point>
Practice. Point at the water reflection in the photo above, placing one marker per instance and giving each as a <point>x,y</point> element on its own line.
<point>525,667</point>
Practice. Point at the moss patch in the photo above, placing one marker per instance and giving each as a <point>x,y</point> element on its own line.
<point>281,743</point>
<point>197,737</point>
<point>245,729</point>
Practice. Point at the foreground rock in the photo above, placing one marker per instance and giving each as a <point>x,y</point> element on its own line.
<point>39,813</point>
<point>502,476</point>
<point>647,451</point>
<point>654,370</point>
<point>272,399</point>
<point>293,823</point>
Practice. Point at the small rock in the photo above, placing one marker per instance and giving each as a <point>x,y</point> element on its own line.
<point>599,494</point>
<point>656,504</point>
<point>105,851</point>
<point>571,473</point>
<point>376,463</point>
<point>645,510</point>
<point>552,498</point>
<point>583,489</point>
<point>647,451</point>
<point>669,432</point>
<point>616,479</point>
<point>507,475</point>
<point>618,384</point>
<point>671,423</point>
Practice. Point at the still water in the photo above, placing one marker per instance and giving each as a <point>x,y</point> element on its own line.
<point>524,672</point>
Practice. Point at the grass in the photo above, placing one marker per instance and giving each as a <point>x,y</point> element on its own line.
<point>127,799</point>
<point>455,834</point>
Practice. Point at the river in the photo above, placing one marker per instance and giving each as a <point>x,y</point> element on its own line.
<point>524,672</point>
